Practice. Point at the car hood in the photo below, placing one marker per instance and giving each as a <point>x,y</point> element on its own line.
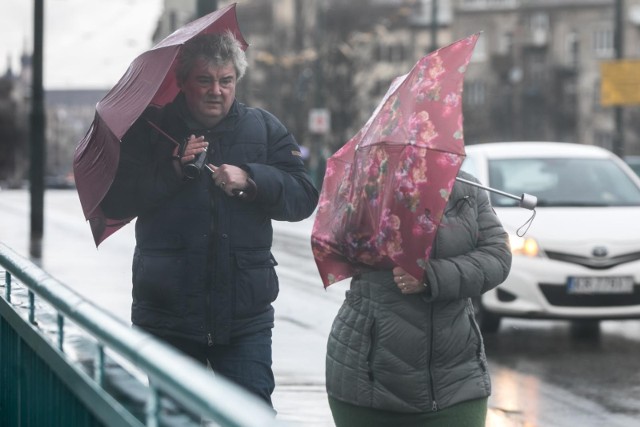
<point>557,228</point>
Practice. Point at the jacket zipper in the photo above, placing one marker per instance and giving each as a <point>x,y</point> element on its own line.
<point>208,316</point>
<point>213,156</point>
<point>434,403</point>
<point>476,331</point>
<point>210,269</point>
<point>370,352</point>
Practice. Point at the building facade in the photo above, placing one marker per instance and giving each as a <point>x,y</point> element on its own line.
<point>535,73</point>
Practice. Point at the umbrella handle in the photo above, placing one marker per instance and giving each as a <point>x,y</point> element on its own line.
<point>236,192</point>
<point>527,201</point>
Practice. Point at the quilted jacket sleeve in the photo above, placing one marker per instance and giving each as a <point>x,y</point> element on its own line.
<point>477,257</point>
<point>284,188</point>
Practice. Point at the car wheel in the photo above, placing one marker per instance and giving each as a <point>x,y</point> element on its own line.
<point>585,329</point>
<point>488,322</point>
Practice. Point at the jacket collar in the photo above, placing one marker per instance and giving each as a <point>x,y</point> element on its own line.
<point>179,106</point>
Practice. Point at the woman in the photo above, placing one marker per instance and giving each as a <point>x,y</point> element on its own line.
<point>407,351</point>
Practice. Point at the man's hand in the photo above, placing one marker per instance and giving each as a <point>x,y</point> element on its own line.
<point>234,181</point>
<point>195,145</point>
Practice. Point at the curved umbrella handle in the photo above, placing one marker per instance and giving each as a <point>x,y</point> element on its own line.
<point>527,201</point>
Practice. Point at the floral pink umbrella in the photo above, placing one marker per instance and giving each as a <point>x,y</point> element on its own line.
<point>150,80</point>
<point>385,190</point>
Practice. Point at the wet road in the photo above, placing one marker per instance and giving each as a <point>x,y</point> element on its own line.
<point>541,376</point>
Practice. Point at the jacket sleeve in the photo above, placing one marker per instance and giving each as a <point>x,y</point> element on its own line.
<point>284,188</point>
<point>479,270</point>
<point>145,175</point>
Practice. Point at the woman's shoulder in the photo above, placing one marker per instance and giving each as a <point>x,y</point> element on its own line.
<point>469,177</point>
<point>462,189</point>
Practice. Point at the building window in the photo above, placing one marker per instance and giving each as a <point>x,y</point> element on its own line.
<point>474,93</point>
<point>603,43</point>
<point>597,106</point>
<point>489,4</point>
<point>390,53</point>
<point>378,53</point>
<point>379,89</point>
<point>573,49</point>
<point>539,28</point>
<point>505,43</point>
<point>397,53</point>
<point>539,22</point>
<point>537,70</point>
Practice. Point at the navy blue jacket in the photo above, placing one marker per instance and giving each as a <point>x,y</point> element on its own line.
<point>202,266</point>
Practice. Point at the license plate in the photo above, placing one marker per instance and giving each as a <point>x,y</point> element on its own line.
<point>600,285</point>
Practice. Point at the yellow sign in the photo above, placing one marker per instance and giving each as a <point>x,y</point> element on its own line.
<point>620,83</point>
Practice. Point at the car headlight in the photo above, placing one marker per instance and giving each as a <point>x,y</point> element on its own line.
<point>525,246</point>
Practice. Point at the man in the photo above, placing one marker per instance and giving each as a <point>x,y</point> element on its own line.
<point>203,272</point>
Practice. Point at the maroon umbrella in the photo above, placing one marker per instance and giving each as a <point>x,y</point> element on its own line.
<point>385,190</point>
<point>150,80</point>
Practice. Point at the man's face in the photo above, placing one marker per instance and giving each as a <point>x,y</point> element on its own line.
<point>210,91</point>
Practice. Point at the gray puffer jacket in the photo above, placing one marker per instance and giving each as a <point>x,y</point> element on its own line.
<point>420,352</point>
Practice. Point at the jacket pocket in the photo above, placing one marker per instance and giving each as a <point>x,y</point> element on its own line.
<point>158,277</point>
<point>371,350</point>
<point>256,283</point>
<point>480,355</point>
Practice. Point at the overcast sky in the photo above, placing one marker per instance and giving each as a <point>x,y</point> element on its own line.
<point>88,44</point>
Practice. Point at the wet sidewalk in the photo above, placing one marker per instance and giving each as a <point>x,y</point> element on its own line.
<point>302,405</point>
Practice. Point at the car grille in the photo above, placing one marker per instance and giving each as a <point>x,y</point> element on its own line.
<point>591,262</point>
<point>557,295</point>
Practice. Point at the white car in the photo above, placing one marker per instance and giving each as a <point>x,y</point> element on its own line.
<point>580,258</point>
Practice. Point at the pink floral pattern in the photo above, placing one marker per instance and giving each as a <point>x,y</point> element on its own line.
<point>385,190</point>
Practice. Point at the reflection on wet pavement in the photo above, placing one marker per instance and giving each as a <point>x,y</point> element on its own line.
<point>544,374</point>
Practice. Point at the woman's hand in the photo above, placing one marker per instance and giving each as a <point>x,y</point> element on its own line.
<point>406,282</point>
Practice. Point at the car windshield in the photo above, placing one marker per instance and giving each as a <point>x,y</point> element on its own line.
<point>563,182</point>
<point>634,163</point>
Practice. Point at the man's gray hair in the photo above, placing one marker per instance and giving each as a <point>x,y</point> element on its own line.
<point>218,49</point>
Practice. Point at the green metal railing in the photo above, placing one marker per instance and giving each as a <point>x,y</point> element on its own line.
<point>117,376</point>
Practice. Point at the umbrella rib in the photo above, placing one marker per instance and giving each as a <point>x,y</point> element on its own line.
<point>166,135</point>
<point>404,146</point>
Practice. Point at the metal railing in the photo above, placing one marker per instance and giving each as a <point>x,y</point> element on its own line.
<point>107,374</point>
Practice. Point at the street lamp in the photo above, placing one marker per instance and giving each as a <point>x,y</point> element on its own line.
<point>37,136</point>
<point>618,41</point>
<point>434,25</point>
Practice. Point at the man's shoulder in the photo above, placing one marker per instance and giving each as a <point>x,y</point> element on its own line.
<point>258,112</point>
<point>152,111</point>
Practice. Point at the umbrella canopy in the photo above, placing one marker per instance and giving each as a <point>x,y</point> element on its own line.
<point>149,80</point>
<point>385,190</point>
